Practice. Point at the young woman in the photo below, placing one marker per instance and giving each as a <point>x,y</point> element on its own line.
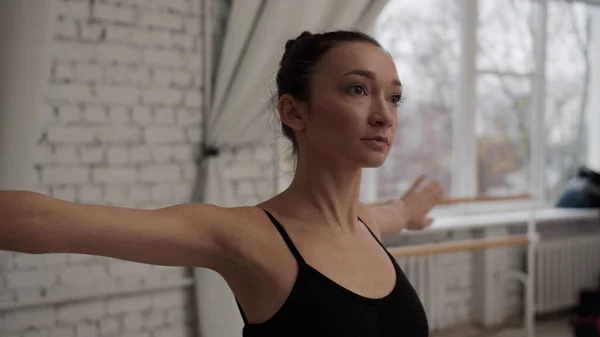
<point>309,261</point>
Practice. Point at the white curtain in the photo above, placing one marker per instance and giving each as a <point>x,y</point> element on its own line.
<point>252,47</point>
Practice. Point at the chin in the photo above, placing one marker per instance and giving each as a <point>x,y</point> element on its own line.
<point>373,161</point>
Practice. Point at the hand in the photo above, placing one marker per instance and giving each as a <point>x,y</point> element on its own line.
<point>419,200</point>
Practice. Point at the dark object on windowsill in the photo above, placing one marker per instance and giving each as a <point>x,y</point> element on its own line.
<point>583,191</point>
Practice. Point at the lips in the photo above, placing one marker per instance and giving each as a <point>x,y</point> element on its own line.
<point>379,139</point>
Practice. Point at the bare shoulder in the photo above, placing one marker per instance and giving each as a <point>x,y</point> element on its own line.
<point>367,214</point>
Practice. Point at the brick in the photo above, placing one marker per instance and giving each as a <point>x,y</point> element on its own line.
<point>162,58</point>
<point>112,53</point>
<point>162,77</point>
<point>172,332</point>
<point>160,173</point>
<point>69,113</point>
<point>86,330</point>
<point>161,20</point>
<point>73,51</point>
<point>189,116</point>
<point>48,114</point>
<point>119,115</point>
<point>114,14</point>
<point>165,116</point>
<point>119,134</point>
<point>69,92</point>
<point>193,100</point>
<point>142,115</point>
<point>116,194</point>
<point>176,316</point>
<point>44,154</point>
<point>247,170</point>
<point>92,154</point>
<point>116,94</point>
<point>119,34</point>
<point>192,26</point>
<point>152,38</point>
<point>55,259</point>
<point>195,62</point>
<point>164,134</point>
<point>183,152</point>
<point>64,71</point>
<point>117,155</point>
<point>19,320</point>
<point>82,274</point>
<point>35,333</point>
<point>189,171</point>
<point>183,42</point>
<point>182,192</point>
<point>154,320</point>
<point>95,114</point>
<point>113,175</point>
<point>90,194</point>
<point>182,79</point>
<point>27,261</point>
<point>72,175</point>
<point>66,193</point>
<point>180,6</point>
<point>140,154</point>
<point>140,193</point>
<point>128,304</point>
<point>66,154</point>
<point>109,326</point>
<point>117,74</point>
<point>139,76</point>
<point>133,322</point>
<point>62,332</point>
<point>170,299</point>
<point>162,96</point>
<point>162,153</point>
<point>161,192</point>
<point>194,134</point>
<point>92,32</point>
<point>34,278</point>
<point>93,73</point>
<point>71,9</point>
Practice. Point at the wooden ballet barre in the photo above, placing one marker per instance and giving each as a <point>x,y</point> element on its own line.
<point>457,246</point>
<point>482,198</point>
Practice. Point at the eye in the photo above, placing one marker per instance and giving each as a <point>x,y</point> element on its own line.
<point>357,89</point>
<point>396,99</point>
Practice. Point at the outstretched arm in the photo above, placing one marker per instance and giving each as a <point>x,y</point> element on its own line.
<point>411,211</point>
<point>182,235</point>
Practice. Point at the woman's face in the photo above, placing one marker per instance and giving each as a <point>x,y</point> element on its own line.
<point>353,105</point>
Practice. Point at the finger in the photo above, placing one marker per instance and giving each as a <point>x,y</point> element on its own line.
<point>416,184</point>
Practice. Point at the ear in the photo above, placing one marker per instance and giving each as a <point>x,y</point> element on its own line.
<point>292,112</point>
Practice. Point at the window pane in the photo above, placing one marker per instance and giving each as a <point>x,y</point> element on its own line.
<point>423,39</point>
<point>505,62</point>
<point>505,36</point>
<point>502,130</point>
<point>567,80</point>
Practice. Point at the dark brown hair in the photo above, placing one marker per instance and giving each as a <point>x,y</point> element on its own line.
<point>299,60</point>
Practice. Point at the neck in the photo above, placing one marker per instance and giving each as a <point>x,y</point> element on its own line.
<point>327,190</point>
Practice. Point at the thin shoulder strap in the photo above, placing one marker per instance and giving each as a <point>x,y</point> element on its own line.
<point>373,234</point>
<point>285,237</point>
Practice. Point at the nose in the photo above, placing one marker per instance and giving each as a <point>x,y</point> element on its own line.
<point>383,113</point>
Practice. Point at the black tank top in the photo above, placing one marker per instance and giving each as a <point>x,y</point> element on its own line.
<point>317,306</point>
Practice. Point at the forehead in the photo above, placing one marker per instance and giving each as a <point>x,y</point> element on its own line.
<point>357,55</point>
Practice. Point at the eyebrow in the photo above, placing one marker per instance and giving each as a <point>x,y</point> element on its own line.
<point>371,76</point>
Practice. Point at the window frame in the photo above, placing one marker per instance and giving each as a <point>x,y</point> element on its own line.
<point>464,162</point>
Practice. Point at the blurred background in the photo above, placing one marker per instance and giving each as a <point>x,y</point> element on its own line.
<point>151,103</point>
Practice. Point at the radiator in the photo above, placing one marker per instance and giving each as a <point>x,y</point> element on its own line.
<point>563,268</point>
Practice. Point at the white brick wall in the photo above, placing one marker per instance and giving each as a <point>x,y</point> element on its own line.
<point>122,97</point>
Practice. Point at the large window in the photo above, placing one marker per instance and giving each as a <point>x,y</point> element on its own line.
<point>468,124</point>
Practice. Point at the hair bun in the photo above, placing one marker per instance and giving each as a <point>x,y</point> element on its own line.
<point>290,43</point>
